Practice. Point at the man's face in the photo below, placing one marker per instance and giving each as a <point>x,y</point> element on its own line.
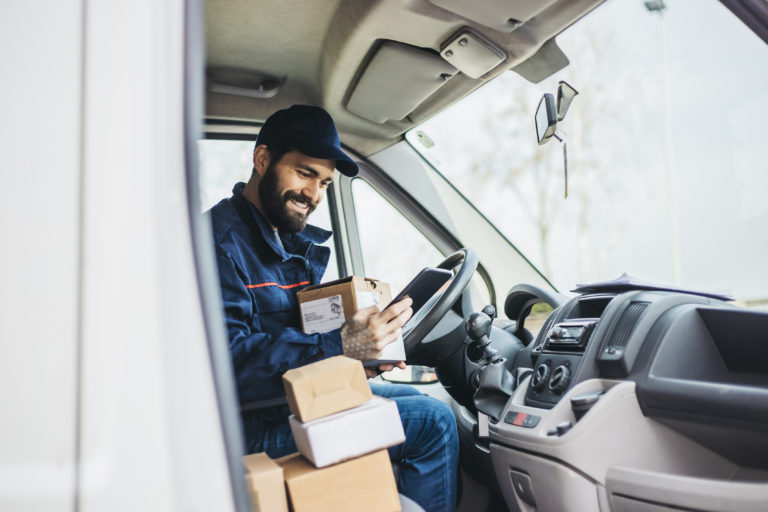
<point>291,189</point>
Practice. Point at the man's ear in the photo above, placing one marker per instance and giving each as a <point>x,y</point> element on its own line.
<point>261,159</point>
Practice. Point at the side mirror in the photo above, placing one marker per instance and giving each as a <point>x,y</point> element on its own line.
<point>565,95</point>
<point>546,118</point>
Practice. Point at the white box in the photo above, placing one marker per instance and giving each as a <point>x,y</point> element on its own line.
<point>364,429</point>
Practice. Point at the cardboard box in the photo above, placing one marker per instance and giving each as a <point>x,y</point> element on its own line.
<point>325,307</point>
<point>264,479</point>
<point>348,434</point>
<point>326,387</point>
<point>366,483</point>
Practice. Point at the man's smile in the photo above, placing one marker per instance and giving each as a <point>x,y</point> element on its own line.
<point>300,206</point>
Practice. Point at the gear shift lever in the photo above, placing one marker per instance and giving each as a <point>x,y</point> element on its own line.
<point>478,327</point>
<point>495,384</point>
<point>490,310</point>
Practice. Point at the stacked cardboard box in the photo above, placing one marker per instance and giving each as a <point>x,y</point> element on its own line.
<point>265,482</point>
<point>341,431</point>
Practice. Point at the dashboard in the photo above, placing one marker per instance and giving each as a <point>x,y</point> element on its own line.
<point>640,400</point>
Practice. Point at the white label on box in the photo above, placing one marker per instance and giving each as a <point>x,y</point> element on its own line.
<point>367,299</point>
<point>322,315</point>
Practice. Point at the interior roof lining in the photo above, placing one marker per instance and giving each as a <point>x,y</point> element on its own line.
<point>344,51</point>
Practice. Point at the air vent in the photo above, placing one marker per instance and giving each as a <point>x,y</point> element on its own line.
<point>626,324</point>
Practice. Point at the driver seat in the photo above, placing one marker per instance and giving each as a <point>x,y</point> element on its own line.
<point>406,503</point>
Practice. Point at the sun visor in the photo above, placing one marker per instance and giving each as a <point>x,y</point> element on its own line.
<point>397,80</point>
<point>502,15</point>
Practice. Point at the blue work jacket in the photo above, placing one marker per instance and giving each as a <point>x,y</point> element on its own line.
<point>259,279</point>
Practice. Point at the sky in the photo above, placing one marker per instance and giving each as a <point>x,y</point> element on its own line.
<point>668,165</point>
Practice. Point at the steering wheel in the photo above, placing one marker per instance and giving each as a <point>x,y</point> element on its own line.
<point>430,314</point>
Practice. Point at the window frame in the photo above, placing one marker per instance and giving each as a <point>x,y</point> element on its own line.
<point>407,206</point>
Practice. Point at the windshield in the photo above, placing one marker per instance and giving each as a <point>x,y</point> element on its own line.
<point>667,162</point>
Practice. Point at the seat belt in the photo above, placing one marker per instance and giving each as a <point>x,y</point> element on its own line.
<point>263,404</point>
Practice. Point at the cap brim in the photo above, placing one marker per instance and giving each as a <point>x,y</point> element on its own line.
<point>344,164</point>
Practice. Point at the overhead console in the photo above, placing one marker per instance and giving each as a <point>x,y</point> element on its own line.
<point>501,15</point>
<point>378,67</point>
<point>398,79</point>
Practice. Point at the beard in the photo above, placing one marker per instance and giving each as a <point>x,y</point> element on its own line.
<point>276,206</point>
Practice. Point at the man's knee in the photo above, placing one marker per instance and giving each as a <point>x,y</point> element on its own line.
<point>442,416</point>
<point>426,416</point>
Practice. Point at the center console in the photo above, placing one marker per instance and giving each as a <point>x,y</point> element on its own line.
<point>635,394</point>
<point>560,347</point>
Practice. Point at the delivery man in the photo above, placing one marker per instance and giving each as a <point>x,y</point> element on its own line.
<point>266,252</point>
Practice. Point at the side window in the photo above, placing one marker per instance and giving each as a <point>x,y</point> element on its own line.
<point>393,249</point>
<point>226,162</point>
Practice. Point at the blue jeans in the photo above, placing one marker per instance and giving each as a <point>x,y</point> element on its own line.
<point>428,459</point>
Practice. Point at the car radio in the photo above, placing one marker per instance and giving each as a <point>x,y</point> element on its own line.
<point>558,361</point>
<point>570,336</point>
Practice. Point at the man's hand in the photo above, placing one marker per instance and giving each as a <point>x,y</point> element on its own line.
<point>385,367</point>
<point>369,330</point>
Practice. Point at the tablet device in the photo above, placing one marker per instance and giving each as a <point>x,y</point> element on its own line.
<point>424,286</point>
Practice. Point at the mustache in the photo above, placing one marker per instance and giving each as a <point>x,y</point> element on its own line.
<point>301,198</point>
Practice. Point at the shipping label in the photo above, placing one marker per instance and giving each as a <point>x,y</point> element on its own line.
<point>322,315</point>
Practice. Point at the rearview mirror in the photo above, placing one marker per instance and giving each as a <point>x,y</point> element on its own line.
<point>565,95</point>
<point>546,118</point>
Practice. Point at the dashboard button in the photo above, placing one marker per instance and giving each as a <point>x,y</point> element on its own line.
<point>531,421</point>
<point>520,419</point>
<point>510,417</point>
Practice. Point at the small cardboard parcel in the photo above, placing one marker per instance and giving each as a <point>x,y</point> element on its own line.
<point>265,482</point>
<point>325,307</point>
<point>365,483</point>
<point>326,387</point>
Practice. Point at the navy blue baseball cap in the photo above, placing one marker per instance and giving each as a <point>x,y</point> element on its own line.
<point>309,130</point>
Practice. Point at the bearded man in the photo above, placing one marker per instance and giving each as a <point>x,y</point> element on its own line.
<point>266,252</point>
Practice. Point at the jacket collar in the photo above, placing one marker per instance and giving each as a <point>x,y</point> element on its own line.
<point>297,243</point>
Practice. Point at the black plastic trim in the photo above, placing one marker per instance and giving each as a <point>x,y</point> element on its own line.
<point>221,366</point>
<point>231,122</point>
<point>754,14</point>
<point>229,136</point>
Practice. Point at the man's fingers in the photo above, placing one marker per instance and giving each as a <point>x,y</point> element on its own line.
<point>400,364</point>
<point>370,372</point>
<point>385,367</point>
<point>365,313</point>
<point>384,328</point>
<point>388,338</point>
<point>393,310</point>
<point>403,317</point>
